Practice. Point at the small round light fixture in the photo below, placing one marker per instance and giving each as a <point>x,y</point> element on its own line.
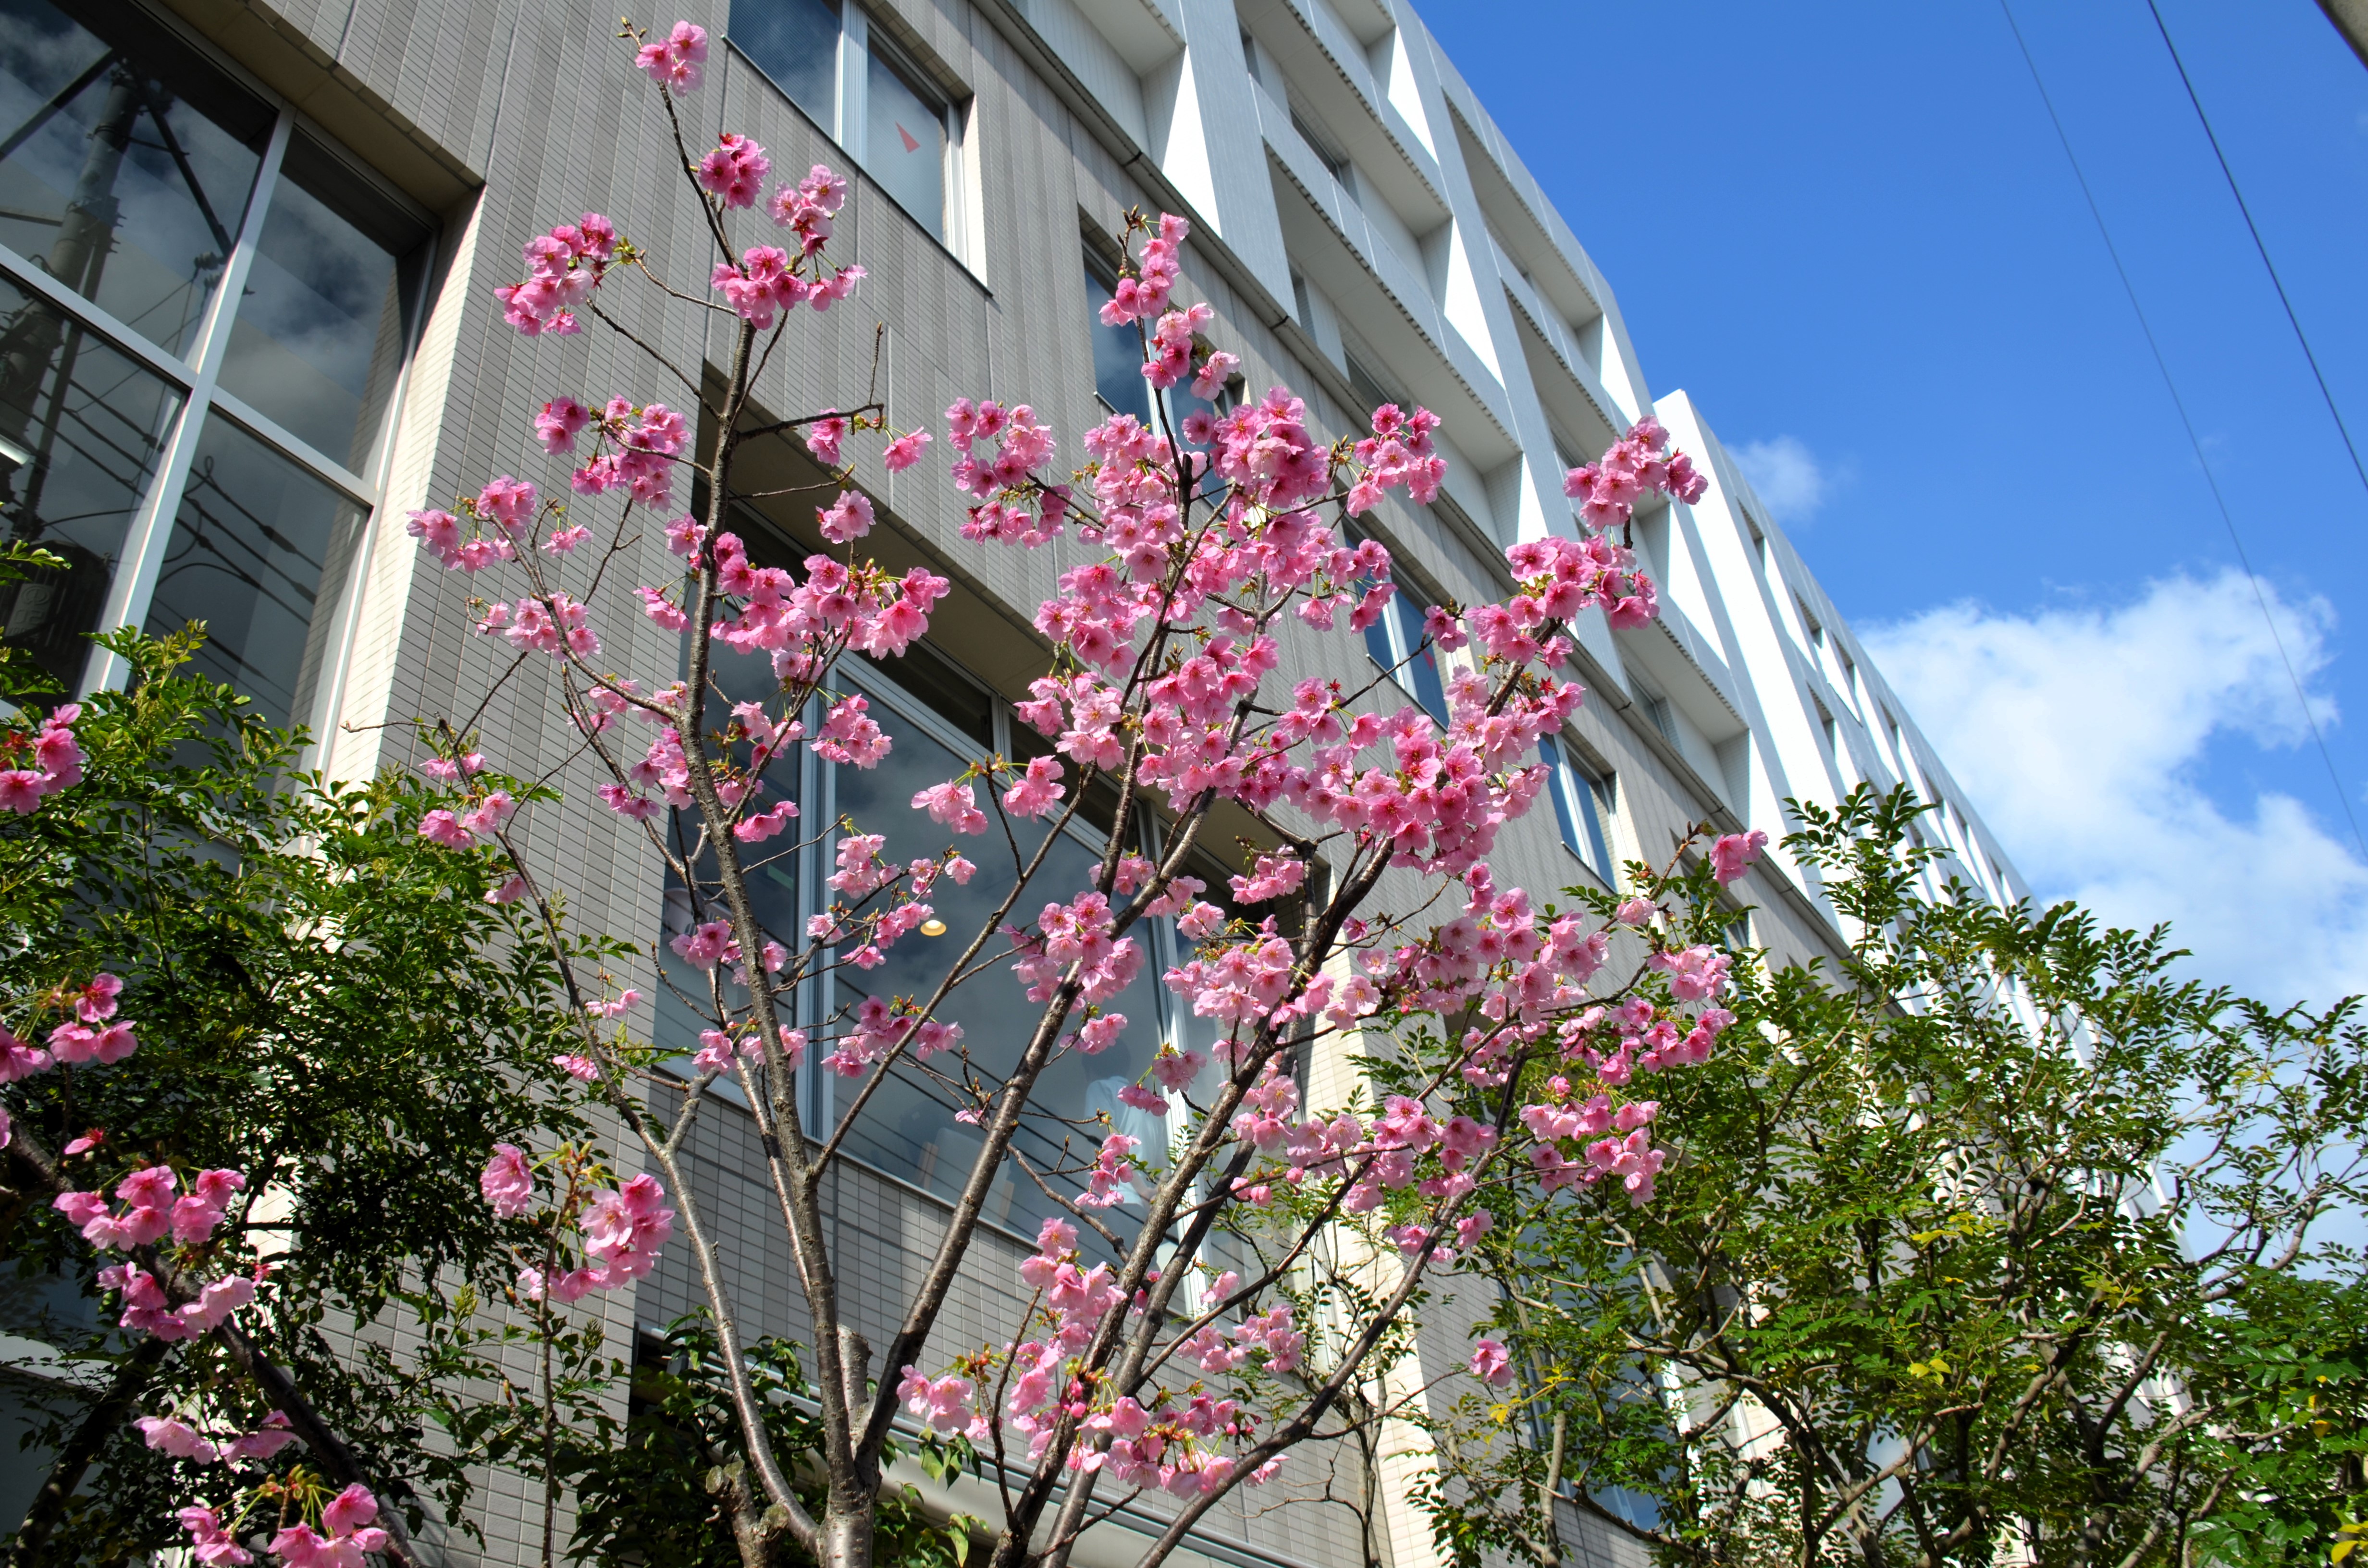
<point>933,928</point>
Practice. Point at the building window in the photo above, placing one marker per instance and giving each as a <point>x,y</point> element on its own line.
<point>1397,643</point>
<point>1119,381</point>
<point>938,721</point>
<point>205,314</point>
<point>1118,350</point>
<point>906,138</point>
<point>864,93</point>
<point>1810,626</point>
<point>1579,801</point>
<point>795,43</point>
<point>1369,386</point>
<point>1327,152</point>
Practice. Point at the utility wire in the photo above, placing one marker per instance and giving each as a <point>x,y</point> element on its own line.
<point>2342,796</point>
<point>2254,229</point>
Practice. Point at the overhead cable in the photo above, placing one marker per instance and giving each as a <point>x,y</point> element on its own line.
<point>2260,597</point>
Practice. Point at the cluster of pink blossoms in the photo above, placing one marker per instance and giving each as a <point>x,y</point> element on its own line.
<point>1608,489</point>
<point>1144,293</point>
<point>1001,449</point>
<point>154,1208</point>
<point>768,280</point>
<point>151,1208</point>
<point>1177,1443</point>
<point>676,61</point>
<point>622,1229</point>
<point>90,1032</point>
<point>54,755</point>
<point>147,1308</point>
<point>183,1440</point>
<point>346,1535</point>
<point>563,268</point>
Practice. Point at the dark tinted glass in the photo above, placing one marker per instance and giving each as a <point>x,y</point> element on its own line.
<point>258,553</point>
<point>772,866</point>
<point>126,161</point>
<point>1117,356</point>
<point>910,1126</point>
<point>81,428</point>
<point>795,43</point>
<point>320,328</point>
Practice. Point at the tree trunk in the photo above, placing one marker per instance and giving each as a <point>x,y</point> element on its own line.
<point>846,1534</point>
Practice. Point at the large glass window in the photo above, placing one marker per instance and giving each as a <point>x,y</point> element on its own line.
<point>1118,368</point>
<point>910,1126</point>
<point>141,176</point>
<point>1577,801</point>
<point>257,543</point>
<point>1118,353</point>
<point>322,328</point>
<point>1396,641</point>
<point>126,163</point>
<point>829,59</point>
<point>795,43</point>
<point>82,427</point>
<point>904,141</point>
<point>937,721</point>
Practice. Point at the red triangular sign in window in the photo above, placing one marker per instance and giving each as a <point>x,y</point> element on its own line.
<point>910,145</point>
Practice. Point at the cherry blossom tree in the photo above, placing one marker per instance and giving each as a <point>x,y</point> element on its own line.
<point>1172,1347</point>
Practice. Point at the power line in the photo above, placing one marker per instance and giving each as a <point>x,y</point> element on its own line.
<point>2342,796</point>
<point>2254,229</point>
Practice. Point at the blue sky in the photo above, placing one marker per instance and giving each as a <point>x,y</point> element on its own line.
<point>1848,230</point>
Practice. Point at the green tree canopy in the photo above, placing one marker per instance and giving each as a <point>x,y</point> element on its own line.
<point>2010,1243</point>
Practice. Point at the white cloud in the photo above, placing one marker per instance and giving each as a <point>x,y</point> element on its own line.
<point>1786,473</point>
<point>2080,735</point>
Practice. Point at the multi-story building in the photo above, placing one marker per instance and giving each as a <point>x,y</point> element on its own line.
<point>247,256</point>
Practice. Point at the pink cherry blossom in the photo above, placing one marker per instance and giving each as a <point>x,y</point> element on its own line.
<point>736,170</point>
<point>848,518</point>
<point>507,1181</point>
<point>345,1538</point>
<point>169,1435</point>
<point>674,62</point>
<point>210,1542</point>
<point>1491,1363</point>
<point>1733,854</point>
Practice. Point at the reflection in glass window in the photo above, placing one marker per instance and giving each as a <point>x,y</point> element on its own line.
<point>909,1125</point>
<point>772,868</point>
<point>1576,810</point>
<point>257,545</point>
<point>1118,355</point>
<point>904,141</point>
<point>81,428</point>
<point>126,161</point>
<point>795,43</point>
<point>321,329</point>
<point>1396,641</point>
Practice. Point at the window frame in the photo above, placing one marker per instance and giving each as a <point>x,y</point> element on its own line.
<point>847,126</point>
<point>1581,805</point>
<point>196,377</point>
<point>812,1004</point>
